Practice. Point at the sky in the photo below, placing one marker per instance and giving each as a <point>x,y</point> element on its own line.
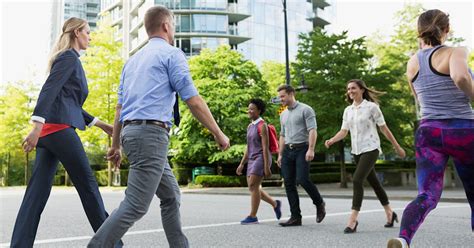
<point>25,29</point>
<point>362,18</point>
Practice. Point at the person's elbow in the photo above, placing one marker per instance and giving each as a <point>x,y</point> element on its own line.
<point>194,102</point>
<point>464,82</point>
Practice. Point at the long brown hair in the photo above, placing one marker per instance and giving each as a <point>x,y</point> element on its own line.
<point>432,26</point>
<point>67,38</point>
<point>369,94</point>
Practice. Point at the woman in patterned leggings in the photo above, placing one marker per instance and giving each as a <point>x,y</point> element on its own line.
<point>443,84</point>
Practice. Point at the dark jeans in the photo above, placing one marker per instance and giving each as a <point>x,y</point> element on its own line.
<point>295,170</point>
<point>365,163</point>
<point>64,146</point>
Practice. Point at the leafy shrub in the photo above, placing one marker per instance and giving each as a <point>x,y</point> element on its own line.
<point>221,181</point>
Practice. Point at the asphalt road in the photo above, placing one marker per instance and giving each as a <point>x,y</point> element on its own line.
<point>213,221</point>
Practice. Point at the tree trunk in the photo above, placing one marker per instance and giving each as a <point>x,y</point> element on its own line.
<point>7,169</point>
<point>343,165</point>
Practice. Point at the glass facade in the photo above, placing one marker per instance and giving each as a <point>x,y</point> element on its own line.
<point>205,23</point>
<point>193,46</point>
<point>202,23</point>
<point>266,28</point>
<point>253,27</point>
<point>194,4</point>
<point>87,10</point>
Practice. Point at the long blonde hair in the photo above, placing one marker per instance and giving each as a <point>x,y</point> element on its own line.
<point>66,39</point>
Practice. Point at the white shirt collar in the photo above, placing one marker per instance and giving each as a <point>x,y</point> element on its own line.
<point>360,105</point>
<point>257,121</point>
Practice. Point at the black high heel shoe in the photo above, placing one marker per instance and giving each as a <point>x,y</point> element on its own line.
<point>350,230</point>
<point>394,218</point>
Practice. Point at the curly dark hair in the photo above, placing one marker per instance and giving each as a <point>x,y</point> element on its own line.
<point>260,104</point>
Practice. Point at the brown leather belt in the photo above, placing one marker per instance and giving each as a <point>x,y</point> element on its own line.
<point>147,122</point>
<point>296,146</point>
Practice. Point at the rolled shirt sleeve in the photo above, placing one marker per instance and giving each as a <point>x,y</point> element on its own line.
<point>310,119</point>
<point>120,88</point>
<point>180,78</point>
<point>377,115</point>
<point>345,121</point>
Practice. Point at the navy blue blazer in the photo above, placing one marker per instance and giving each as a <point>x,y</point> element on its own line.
<point>64,92</point>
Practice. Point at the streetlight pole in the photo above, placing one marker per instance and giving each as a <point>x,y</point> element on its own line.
<point>287,60</point>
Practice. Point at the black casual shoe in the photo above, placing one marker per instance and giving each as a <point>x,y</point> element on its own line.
<point>292,222</point>
<point>320,212</point>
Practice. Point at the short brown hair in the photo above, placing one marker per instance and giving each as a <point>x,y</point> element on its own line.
<point>287,88</point>
<point>432,25</point>
<point>155,17</point>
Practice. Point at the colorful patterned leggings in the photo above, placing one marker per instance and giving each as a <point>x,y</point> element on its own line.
<point>436,141</point>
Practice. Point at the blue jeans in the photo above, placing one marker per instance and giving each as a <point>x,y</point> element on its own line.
<point>146,147</point>
<point>64,146</point>
<point>295,170</point>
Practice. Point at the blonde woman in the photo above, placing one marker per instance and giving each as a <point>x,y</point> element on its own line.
<point>361,118</point>
<point>57,114</point>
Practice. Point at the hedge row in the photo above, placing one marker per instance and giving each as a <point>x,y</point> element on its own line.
<point>221,181</point>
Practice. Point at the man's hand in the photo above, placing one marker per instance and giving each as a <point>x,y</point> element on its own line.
<point>309,155</point>
<point>279,160</point>
<point>114,155</point>
<point>222,141</point>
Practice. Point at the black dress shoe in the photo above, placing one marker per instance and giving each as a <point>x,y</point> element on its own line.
<point>394,218</point>
<point>350,230</point>
<point>320,212</point>
<point>292,222</point>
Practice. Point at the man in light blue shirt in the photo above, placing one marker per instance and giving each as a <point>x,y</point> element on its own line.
<point>147,92</point>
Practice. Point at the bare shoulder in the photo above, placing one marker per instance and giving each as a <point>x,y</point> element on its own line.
<point>412,66</point>
<point>459,52</point>
<point>412,63</point>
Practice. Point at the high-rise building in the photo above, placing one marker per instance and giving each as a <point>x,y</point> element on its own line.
<point>65,9</point>
<point>266,26</point>
<point>253,27</point>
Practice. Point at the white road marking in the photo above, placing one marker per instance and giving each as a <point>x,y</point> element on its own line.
<point>50,241</point>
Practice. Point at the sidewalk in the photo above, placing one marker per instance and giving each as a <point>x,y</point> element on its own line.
<point>331,190</point>
<point>334,191</point>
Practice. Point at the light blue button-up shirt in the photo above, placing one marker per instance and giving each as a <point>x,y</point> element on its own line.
<point>150,80</point>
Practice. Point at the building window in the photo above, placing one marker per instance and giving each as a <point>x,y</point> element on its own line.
<point>185,23</point>
<point>186,46</point>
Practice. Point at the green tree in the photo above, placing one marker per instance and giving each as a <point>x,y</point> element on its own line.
<point>15,110</point>
<point>274,74</point>
<point>226,82</point>
<point>103,64</point>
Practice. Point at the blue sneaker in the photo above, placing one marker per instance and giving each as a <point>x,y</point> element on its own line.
<point>277,209</point>
<point>249,220</point>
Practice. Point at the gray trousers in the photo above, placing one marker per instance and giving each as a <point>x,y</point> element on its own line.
<point>146,147</point>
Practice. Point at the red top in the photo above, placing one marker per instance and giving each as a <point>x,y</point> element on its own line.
<point>49,128</point>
